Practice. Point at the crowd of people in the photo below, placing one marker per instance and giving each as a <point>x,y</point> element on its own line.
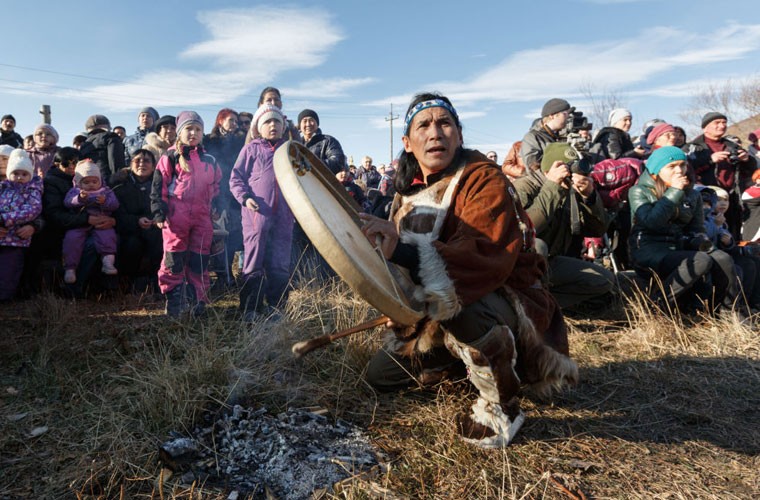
<point>494,255</point>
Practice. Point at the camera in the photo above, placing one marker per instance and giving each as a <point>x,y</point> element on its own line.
<point>733,150</point>
<point>699,242</point>
<point>577,155</point>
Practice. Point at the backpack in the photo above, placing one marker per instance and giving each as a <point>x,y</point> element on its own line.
<point>613,179</point>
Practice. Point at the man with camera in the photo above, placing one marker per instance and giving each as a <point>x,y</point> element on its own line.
<point>563,205</point>
<point>554,117</point>
<point>718,161</point>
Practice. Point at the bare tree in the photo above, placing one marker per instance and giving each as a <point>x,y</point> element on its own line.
<point>735,99</point>
<point>601,101</point>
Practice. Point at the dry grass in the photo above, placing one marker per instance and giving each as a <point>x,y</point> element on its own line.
<point>665,408</point>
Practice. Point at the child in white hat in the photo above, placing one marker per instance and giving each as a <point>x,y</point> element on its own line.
<point>91,195</point>
<point>5,152</point>
<point>20,204</point>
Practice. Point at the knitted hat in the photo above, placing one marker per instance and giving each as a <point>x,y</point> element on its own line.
<point>19,160</point>
<point>151,111</point>
<point>662,157</point>
<point>308,112</point>
<point>8,117</point>
<point>554,106</point>
<point>6,150</point>
<point>557,151</point>
<point>165,120</point>
<point>618,114</point>
<point>85,168</point>
<point>754,135</point>
<point>712,116</point>
<point>97,121</point>
<point>49,128</point>
<point>661,129</point>
<point>264,113</point>
<point>185,118</point>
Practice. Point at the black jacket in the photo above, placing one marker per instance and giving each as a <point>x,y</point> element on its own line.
<point>329,150</point>
<point>12,139</point>
<point>58,218</point>
<point>721,174</point>
<point>134,200</point>
<point>613,143</point>
<point>106,150</point>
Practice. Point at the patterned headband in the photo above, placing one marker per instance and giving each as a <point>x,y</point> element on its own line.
<point>433,103</point>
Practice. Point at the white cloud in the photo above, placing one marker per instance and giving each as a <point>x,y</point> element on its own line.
<point>246,49</point>
<point>323,88</point>
<point>559,70</point>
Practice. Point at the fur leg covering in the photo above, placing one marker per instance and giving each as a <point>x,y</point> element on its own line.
<point>496,416</point>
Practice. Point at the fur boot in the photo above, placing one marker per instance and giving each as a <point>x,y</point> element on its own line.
<point>496,416</point>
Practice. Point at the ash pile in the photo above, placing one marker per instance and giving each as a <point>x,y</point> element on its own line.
<point>253,454</point>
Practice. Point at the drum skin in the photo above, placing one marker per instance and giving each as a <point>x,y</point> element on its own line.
<point>329,218</point>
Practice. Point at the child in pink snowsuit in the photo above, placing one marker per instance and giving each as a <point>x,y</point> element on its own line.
<point>91,195</point>
<point>185,185</point>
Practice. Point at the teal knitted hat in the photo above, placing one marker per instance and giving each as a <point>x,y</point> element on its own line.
<point>662,157</point>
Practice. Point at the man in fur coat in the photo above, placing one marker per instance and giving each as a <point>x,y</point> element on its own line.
<point>468,247</point>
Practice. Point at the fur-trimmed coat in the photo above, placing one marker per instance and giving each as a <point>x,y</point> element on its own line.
<point>473,238</point>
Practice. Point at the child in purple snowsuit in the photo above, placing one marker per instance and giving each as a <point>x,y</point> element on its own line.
<point>183,201</point>
<point>267,219</point>
<point>91,195</point>
<point>20,204</point>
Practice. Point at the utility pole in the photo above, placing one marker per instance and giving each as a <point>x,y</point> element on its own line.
<point>390,119</point>
<point>45,112</point>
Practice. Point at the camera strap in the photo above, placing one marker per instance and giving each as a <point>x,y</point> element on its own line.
<point>575,215</point>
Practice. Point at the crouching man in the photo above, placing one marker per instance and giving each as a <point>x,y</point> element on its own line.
<point>468,247</point>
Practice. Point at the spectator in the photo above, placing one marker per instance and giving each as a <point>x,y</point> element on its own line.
<point>244,122</point>
<point>513,166</point>
<point>751,201</point>
<point>272,96</point>
<point>28,142</point>
<point>661,135</point>
<point>267,220</point>
<point>140,243</point>
<point>386,182</point>
<point>20,205</point>
<point>8,134</point>
<point>325,147</point>
<point>78,140</point>
<point>368,174</point>
<point>668,235</point>
<point>103,147</point>
<point>5,152</point>
<point>354,191</point>
<point>613,141</point>
<point>718,161</point>
<point>120,131</point>
<point>554,115</point>
<point>491,155</point>
<point>163,138</point>
<point>565,207</point>
<point>146,119</point>
<point>44,149</point>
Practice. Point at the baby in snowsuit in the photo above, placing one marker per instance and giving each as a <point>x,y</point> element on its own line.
<point>91,195</point>
<point>20,204</point>
<point>267,219</point>
<point>185,186</point>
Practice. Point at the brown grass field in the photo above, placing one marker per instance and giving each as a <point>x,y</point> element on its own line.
<point>664,408</point>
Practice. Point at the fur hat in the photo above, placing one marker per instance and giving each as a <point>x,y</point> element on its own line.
<point>264,113</point>
<point>185,118</point>
<point>662,128</point>
<point>97,121</point>
<point>712,116</point>
<point>308,112</point>
<point>8,117</point>
<point>618,114</point>
<point>662,157</point>
<point>19,160</point>
<point>151,111</point>
<point>553,106</point>
<point>49,128</point>
<point>6,150</point>
<point>85,168</point>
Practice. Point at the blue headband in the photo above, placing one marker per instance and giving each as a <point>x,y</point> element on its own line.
<point>433,103</point>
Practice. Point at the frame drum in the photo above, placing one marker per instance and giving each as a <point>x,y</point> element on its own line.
<point>329,217</point>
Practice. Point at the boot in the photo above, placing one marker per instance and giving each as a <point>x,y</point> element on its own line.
<point>252,298</point>
<point>174,302</point>
<point>197,308</point>
<point>108,265</point>
<point>496,416</point>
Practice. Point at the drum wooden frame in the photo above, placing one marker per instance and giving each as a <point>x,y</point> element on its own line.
<point>329,217</point>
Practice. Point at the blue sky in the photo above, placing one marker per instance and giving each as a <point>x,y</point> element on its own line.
<point>349,60</point>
